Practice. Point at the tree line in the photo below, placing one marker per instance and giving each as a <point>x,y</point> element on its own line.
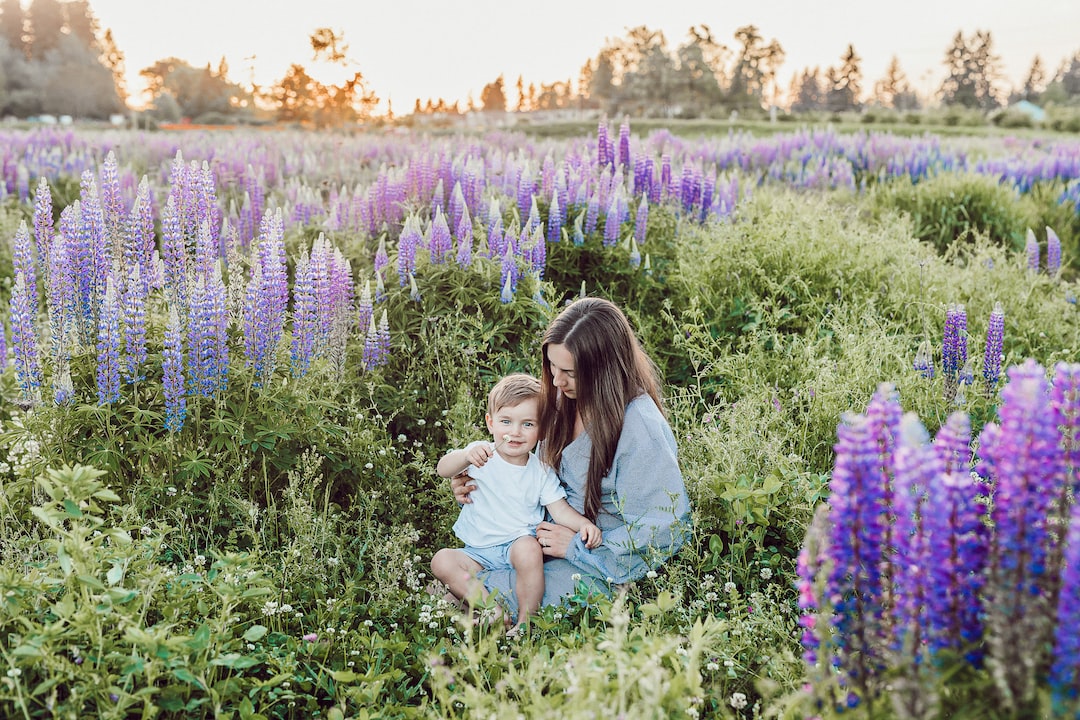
<point>55,59</point>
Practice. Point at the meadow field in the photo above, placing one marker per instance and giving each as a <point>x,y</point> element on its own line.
<point>233,358</point>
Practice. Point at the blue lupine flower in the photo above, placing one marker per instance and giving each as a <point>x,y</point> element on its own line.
<point>525,193</point>
<point>24,340</point>
<point>1065,400</point>
<point>1053,252</point>
<point>915,469</point>
<point>1022,459</point>
<point>371,346</point>
<point>133,320</point>
<point>366,309</point>
<point>952,444</point>
<point>578,236</point>
<point>410,239</point>
<point>602,145</point>
<point>954,341</point>
<point>957,540</point>
<point>172,367</point>
<point>208,324</point>
<point>381,257</point>
<point>440,242</point>
<point>414,289</point>
<point>23,261</point>
<point>592,213</point>
<point>924,360</point>
<point>611,223</point>
<point>138,247</point>
<point>556,218</point>
<point>465,240</point>
<point>856,547</point>
<point>304,317</point>
<point>43,221</point>
<point>174,255</point>
<point>266,299</point>
<point>108,347</point>
<point>112,204</point>
<point>624,142</point>
<point>1031,249</point>
<point>3,347</point>
<point>1065,671</point>
<point>509,272</point>
<point>641,220</point>
<point>635,254</point>
<point>995,333</point>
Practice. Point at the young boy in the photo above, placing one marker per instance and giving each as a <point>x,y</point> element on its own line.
<point>498,527</point>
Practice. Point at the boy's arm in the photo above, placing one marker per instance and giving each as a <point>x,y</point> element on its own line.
<point>453,463</point>
<point>456,462</point>
<point>563,514</point>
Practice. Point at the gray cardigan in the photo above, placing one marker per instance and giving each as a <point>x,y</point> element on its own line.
<point>645,515</point>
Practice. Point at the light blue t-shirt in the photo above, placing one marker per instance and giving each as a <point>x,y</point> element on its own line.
<point>508,501</point>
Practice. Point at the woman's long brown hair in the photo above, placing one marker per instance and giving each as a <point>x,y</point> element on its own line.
<point>610,370</point>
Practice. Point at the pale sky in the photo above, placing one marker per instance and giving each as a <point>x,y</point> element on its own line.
<point>409,49</point>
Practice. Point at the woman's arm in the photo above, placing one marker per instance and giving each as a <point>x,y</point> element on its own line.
<point>646,493</point>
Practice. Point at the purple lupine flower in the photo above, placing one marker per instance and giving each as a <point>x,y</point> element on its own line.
<point>1031,249</point>
<point>602,145</point>
<point>138,246</point>
<point>1065,399</point>
<point>414,289</point>
<point>380,288</point>
<point>465,240</point>
<point>957,540</point>
<point>24,341</point>
<point>381,258</point>
<point>63,387</point>
<point>953,347</point>
<point>1064,678</point>
<point>208,325</point>
<point>133,319</point>
<point>856,547</point>
<point>525,190</point>
<point>174,255</point>
<point>112,205</point>
<point>578,235</point>
<point>592,213</point>
<point>23,261</point>
<point>952,444</point>
<point>1053,252</point>
<point>366,310</point>
<point>537,252</point>
<point>624,142</point>
<point>924,360</point>
<point>265,300</point>
<point>440,242</point>
<point>995,334</point>
<point>172,367</point>
<point>641,220</point>
<point>43,221</point>
<point>556,218</point>
<point>3,347</point>
<point>371,346</point>
<point>1021,458</point>
<point>509,273</point>
<point>410,239</point>
<point>108,347</point>
<point>305,317</point>
<point>915,468</point>
<point>611,223</point>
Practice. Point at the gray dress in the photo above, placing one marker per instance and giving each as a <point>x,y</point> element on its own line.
<point>645,515</point>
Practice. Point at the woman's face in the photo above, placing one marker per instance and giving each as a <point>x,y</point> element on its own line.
<point>561,364</point>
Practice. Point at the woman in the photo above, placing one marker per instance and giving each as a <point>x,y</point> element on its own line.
<point>605,433</point>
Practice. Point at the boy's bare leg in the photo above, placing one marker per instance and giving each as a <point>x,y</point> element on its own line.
<point>527,557</point>
<point>458,572</point>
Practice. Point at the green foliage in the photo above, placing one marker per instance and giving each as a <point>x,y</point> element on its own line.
<point>956,207</point>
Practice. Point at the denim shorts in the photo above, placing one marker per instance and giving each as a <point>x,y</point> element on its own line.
<point>494,557</point>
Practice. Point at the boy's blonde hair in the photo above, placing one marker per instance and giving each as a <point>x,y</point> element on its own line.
<point>512,390</point>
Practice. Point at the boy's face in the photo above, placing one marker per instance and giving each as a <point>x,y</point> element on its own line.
<point>522,423</point>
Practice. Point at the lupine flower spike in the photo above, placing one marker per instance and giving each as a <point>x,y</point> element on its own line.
<point>993,357</point>
<point>1053,253</point>
<point>1031,249</point>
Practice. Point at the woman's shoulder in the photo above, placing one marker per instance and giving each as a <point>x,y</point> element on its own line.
<point>643,409</point>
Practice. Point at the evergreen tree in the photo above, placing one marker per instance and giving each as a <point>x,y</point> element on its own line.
<point>12,22</point>
<point>1035,82</point>
<point>46,20</point>
<point>493,97</point>
<point>973,71</point>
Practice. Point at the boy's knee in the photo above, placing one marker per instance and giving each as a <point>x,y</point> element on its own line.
<point>442,561</point>
<point>526,550</point>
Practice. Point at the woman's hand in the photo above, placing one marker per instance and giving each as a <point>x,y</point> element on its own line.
<point>462,485</point>
<point>554,539</point>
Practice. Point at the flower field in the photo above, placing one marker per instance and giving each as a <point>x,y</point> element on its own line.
<point>232,360</point>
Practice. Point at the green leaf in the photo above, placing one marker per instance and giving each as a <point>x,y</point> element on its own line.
<point>115,574</point>
<point>26,651</point>
<point>234,661</point>
<point>72,508</point>
<point>91,581</point>
<point>255,633</point>
<point>344,676</point>
<point>184,675</point>
<point>201,639</point>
